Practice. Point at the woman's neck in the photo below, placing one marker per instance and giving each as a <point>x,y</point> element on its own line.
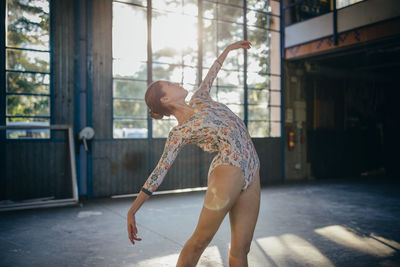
<point>183,112</point>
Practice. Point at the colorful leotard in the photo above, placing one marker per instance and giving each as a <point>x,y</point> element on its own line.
<point>213,127</point>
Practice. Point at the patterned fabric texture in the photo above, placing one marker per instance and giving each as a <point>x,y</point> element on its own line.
<point>213,127</point>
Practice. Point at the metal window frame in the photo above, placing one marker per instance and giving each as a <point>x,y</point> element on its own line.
<point>4,71</point>
<point>149,8</point>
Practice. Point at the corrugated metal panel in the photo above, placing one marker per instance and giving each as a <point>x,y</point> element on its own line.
<point>37,169</point>
<point>63,62</point>
<point>270,154</point>
<point>102,68</point>
<point>120,166</point>
<point>185,171</point>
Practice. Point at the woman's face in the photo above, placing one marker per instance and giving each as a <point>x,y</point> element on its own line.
<point>173,92</point>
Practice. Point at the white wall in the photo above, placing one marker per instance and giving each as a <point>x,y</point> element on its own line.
<point>354,16</point>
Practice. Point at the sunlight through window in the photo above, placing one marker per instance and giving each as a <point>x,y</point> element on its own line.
<point>176,58</point>
<point>373,245</point>
<point>290,249</point>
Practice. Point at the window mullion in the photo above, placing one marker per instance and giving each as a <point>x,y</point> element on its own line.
<point>245,63</point>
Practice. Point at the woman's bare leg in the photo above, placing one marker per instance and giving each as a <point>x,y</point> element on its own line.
<point>243,218</point>
<point>224,185</point>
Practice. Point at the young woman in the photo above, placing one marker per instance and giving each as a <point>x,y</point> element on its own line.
<point>233,177</point>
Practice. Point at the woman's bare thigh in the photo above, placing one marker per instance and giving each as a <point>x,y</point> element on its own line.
<point>244,214</point>
<point>224,187</point>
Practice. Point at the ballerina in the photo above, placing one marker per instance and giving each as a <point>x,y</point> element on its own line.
<point>233,176</point>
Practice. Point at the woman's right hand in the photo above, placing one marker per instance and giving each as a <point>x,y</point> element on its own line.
<point>132,230</point>
<point>240,44</point>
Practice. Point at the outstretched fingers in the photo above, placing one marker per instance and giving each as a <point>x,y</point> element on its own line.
<point>132,233</point>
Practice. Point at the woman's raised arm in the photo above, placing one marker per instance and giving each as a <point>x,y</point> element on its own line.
<point>214,69</point>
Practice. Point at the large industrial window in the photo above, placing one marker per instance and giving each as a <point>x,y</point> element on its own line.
<point>250,90</point>
<point>27,67</point>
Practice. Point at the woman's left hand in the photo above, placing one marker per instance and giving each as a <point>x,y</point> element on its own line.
<point>132,229</point>
<point>240,44</point>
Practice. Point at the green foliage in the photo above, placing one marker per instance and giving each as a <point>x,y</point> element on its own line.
<point>28,28</point>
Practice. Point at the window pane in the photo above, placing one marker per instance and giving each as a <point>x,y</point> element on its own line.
<point>126,88</point>
<point>258,128</point>
<point>172,73</point>
<point>228,33</point>
<point>37,83</point>
<point>27,133</point>
<point>125,68</point>
<point>258,112</point>
<point>28,60</point>
<point>171,45</point>
<point>257,81</point>
<point>229,95</point>
<point>126,128</point>
<point>258,55</point>
<point>209,42</point>
<point>258,5</point>
<point>28,24</point>
<point>231,2</point>
<point>162,127</point>
<point>229,13</point>
<point>275,129</point>
<point>262,20</point>
<point>191,89</point>
<point>129,43</point>
<point>171,5</point>
<point>190,7</point>
<point>189,75</point>
<point>229,78</point>
<point>275,113</point>
<point>130,108</point>
<point>257,96</point>
<point>209,10</point>
<point>258,62</point>
<point>237,109</point>
<point>26,105</point>
<point>275,98</point>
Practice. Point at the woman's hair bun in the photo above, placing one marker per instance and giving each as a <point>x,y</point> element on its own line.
<point>156,115</point>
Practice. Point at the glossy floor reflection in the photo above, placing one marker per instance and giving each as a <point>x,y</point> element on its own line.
<point>316,223</point>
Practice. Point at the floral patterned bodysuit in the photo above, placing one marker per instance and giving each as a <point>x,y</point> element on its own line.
<point>213,127</point>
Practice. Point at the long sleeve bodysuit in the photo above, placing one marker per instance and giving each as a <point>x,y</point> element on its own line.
<point>213,127</point>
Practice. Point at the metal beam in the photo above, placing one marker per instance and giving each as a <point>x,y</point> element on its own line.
<point>282,39</point>
<point>149,81</point>
<point>3,100</point>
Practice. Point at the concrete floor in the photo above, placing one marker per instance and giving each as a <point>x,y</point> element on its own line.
<point>313,223</point>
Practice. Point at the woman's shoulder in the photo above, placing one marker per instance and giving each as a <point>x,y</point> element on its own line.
<point>179,132</point>
<point>200,96</point>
